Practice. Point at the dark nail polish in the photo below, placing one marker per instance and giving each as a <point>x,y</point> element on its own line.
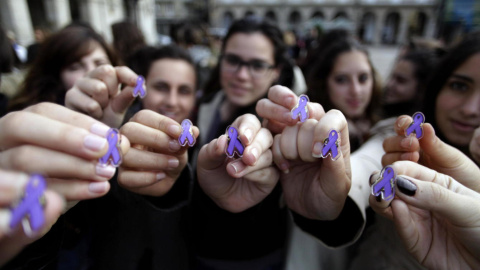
<point>406,186</point>
<point>378,198</point>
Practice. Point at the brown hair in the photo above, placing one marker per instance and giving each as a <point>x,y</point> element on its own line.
<point>43,82</point>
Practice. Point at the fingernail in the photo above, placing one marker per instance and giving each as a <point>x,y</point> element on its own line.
<point>402,122</point>
<point>173,163</point>
<point>174,145</point>
<point>105,171</point>
<point>406,186</point>
<point>98,187</point>
<point>249,135</point>
<point>237,166</point>
<point>287,116</point>
<point>255,153</point>
<point>285,167</point>
<point>317,150</point>
<point>289,101</point>
<point>161,176</point>
<point>94,142</point>
<point>100,129</point>
<point>174,129</point>
<point>406,142</point>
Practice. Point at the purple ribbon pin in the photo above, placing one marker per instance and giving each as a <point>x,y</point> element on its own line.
<point>187,134</point>
<point>31,204</point>
<point>385,184</point>
<point>234,144</point>
<point>113,155</point>
<point>331,145</point>
<point>417,125</point>
<point>301,109</point>
<point>139,90</point>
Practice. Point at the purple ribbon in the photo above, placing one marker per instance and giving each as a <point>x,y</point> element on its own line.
<point>417,125</point>
<point>187,134</point>
<point>331,145</point>
<point>386,185</point>
<point>139,90</point>
<point>234,145</point>
<point>113,154</point>
<point>301,109</point>
<point>31,204</point>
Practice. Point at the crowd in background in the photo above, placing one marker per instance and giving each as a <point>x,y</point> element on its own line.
<point>169,207</point>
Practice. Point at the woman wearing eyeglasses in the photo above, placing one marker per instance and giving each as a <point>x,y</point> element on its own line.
<point>252,235</point>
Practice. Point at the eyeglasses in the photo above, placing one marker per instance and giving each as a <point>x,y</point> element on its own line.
<point>257,68</point>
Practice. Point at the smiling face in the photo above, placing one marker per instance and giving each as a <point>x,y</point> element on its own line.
<point>350,84</point>
<point>402,84</point>
<point>171,85</point>
<point>77,70</point>
<point>457,109</point>
<point>240,86</point>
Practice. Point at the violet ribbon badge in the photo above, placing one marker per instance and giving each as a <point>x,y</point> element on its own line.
<point>31,204</point>
<point>139,90</point>
<point>301,110</point>
<point>417,125</point>
<point>385,184</point>
<point>113,155</point>
<point>187,134</point>
<point>330,145</point>
<point>234,143</point>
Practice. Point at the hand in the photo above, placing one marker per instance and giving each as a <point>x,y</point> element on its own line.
<point>60,144</point>
<point>12,241</point>
<point>156,158</point>
<point>475,146</point>
<point>276,109</point>
<point>436,217</point>
<point>430,152</point>
<point>99,94</point>
<point>314,187</point>
<point>238,184</point>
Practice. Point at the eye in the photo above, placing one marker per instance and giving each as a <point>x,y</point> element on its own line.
<point>340,79</point>
<point>232,60</point>
<point>74,67</point>
<point>363,77</point>
<point>101,62</point>
<point>161,87</point>
<point>458,86</point>
<point>185,90</point>
<point>259,66</point>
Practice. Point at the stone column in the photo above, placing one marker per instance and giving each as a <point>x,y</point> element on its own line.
<point>16,17</point>
<point>58,12</point>
<point>146,20</point>
<point>379,24</point>
<point>403,27</point>
<point>431,25</point>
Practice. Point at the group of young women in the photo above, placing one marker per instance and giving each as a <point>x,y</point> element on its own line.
<point>171,208</point>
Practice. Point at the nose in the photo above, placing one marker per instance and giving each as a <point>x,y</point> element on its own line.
<point>471,106</point>
<point>243,71</point>
<point>355,87</point>
<point>172,99</point>
<point>89,67</point>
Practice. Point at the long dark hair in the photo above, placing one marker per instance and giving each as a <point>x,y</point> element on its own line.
<point>317,79</point>
<point>456,56</point>
<point>252,24</point>
<point>43,82</point>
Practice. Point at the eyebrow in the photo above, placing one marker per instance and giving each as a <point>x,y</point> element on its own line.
<point>462,77</point>
<point>249,61</point>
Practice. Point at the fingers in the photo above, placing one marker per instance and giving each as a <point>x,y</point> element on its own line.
<point>31,159</point>
<point>124,99</point>
<point>266,178</point>
<point>475,145</point>
<point>78,99</point>
<point>29,128</point>
<point>74,190</point>
<point>149,160</point>
<point>376,202</point>
<point>262,142</point>
<point>238,168</point>
<point>212,155</point>
<point>12,185</point>
<point>278,105</point>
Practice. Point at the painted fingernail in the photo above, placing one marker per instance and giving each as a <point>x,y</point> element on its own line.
<point>94,142</point>
<point>378,198</point>
<point>249,135</point>
<point>99,129</point>
<point>161,176</point>
<point>173,163</point>
<point>402,121</point>
<point>105,171</point>
<point>317,150</point>
<point>174,146</point>
<point>98,187</point>
<point>406,186</point>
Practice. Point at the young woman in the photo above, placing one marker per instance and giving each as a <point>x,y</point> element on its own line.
<point>65,57</point>
<point>345,79</point>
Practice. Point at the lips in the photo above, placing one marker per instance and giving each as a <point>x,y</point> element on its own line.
<point>464,126</point>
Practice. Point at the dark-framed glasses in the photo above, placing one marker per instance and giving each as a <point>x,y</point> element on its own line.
<point>257,68</point>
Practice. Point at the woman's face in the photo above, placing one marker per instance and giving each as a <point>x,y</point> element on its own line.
<point>350,83</point>
<point>401,85</point>
<point>171,88</point>
<point>247,68</point>
<point>97,57</point>
<point>457,109</point>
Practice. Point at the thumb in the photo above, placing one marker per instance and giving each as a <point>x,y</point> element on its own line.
<point>212,155</point>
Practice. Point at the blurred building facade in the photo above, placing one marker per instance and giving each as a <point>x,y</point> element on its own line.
<point>373,21</point>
